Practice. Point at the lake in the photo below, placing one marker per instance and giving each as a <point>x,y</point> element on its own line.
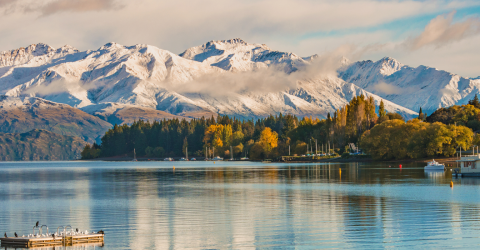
<point>243,205</point>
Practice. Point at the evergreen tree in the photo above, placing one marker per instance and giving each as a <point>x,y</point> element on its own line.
<point>381,110</point>
<point>421,117</point>
<point>185,146</point>
<point>475,102</point>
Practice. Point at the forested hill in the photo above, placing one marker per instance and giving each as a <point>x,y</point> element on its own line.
<point>264,138</point>
<point>39,145</point>
<point>383,135</point>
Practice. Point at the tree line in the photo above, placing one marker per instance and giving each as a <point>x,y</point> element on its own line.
<point>380,134</point>
<point>443,133</point>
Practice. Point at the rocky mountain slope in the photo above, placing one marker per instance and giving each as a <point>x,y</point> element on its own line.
<point>410,87</point>
<point>39,145</point>
<point>23,114</point>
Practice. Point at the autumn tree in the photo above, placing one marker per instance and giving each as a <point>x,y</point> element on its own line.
<point>395,139</point>
<point>268,140</point>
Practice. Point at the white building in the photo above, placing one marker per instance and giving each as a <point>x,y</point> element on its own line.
<point>470,165</point>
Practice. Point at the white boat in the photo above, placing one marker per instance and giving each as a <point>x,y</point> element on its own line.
<point>217,158</point>
<point>433,165</point>
<point>168,159</point>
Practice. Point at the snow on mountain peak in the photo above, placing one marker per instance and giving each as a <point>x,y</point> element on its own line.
<point>237,55</point>
<point>39,49</point>
<point>424,87</point>
<point>111,46</point>
<point>235,43</point>
<point>389,65</point>
<point>66,49</point>
<point>23,55</point>
<point>143,75</point>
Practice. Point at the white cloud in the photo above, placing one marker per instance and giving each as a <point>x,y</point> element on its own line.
<point>442,30</point>
<point>266,80</point>
<point>372,40</point>
<point>459,58</point>
<point>178,25</point>
<point>388,89</point>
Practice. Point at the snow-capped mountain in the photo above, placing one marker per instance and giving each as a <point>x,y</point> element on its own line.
<point>410,87</point>
<point>113,73</point>
<point>41,53</point>
<point>237,55</point>
<point>115,77</point>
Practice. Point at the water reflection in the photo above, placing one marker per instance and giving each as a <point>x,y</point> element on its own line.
<point>247,206</point>
<point>435,174</point>
<point>470,181</point>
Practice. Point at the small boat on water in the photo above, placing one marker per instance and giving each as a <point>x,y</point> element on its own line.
<point>217,158</point>
<point>183,159</point>
<point>168,159</point>
<point>433,165</point>
<point>193,159</point>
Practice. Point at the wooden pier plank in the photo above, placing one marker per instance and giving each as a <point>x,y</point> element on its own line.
<point>50,241</point>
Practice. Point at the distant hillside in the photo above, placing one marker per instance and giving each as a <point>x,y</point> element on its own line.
<point>115,113</point>
<point>38,145</point>
<point>23,114</point>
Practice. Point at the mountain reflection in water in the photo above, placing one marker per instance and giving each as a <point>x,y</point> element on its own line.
<point>241,205</point>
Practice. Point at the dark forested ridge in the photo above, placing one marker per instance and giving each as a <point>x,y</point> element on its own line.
<point>38,145</point>
<point>264,138</point>
<point>381,134</point>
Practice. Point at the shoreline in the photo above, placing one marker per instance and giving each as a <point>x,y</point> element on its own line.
<point>445,160</point>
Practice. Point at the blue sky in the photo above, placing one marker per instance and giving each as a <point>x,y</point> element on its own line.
<point>378,28</point>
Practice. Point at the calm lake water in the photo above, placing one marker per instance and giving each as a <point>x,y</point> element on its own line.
<point>240,205</point>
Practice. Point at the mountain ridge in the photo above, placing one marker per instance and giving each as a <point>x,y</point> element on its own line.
<point>411,87</point>
<point>150,79</point>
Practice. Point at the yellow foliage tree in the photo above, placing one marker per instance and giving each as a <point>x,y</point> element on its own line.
<point>395,139</point>
<point>218,135</point>
<point>268,140</point>
<point>217,142</point>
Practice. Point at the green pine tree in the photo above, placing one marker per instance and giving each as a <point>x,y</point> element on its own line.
<point>475,102</point>
<point>421,116</point>
<point>381,110</point>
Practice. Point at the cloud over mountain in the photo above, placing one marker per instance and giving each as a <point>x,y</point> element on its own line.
<point>230,77</point>
<point>442,30</point>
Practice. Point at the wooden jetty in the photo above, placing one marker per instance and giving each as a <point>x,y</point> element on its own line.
<point>69,240</point>
<point>63,238</point>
